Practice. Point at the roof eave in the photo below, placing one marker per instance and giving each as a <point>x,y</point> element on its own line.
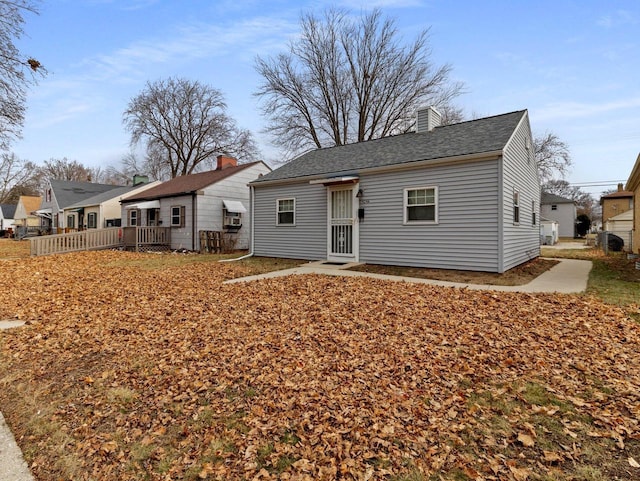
<point>634,178</point>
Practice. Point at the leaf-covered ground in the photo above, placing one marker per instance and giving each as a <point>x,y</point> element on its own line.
<point>126,374</point>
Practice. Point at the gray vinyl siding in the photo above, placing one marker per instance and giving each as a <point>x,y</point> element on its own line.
<point>466,235</point>
<point>521,242</point>
<point>307,239</point>
<point>565,215</point>
<point>181,237</point>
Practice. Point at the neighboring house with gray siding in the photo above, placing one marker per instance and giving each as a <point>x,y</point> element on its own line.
<point>562,210</point>
<point>216,200</point>
<point>462,196</point>
<point>59,195</point>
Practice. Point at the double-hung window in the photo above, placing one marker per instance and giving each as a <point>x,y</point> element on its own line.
<point>516,207</point>
<point>533,212</point>
<point>421,205</point>
<point>177,216</point>
<point>92,220</point>
<point>285,212</point>
<point>133,217</point>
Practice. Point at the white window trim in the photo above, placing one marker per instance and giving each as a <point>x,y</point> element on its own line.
<point>278,211</point>
<point>95,216</point>
<point>516,205</point>
<point>405,205</point>
<point>133,213</point>
<point>181,216</point>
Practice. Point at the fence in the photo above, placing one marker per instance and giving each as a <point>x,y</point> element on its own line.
<point>143,239</point>
<point>92,239</point>
<point>615,240</point>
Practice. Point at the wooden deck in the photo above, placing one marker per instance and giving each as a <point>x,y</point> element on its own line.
<point>146,239</point>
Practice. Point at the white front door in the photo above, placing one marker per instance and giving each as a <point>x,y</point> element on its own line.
<point>342,239</point>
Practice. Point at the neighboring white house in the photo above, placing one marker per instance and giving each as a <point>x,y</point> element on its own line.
<point>7,213</point>
<point>24,215</point>
<point>562,210</point>
<point>216,200</point>
<point>102,210</point>
<point>461,196</point>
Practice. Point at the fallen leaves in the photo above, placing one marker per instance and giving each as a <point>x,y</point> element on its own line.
<point>169,374</point>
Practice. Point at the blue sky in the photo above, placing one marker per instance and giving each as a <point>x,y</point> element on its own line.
<point>574,64</point>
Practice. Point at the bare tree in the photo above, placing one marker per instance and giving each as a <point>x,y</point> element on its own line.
<point>346,80</point>
<point>185,122</point>
<point>17,177</point>
<point>16,71</point>
<point>552,156</point>
<point>65,169</point>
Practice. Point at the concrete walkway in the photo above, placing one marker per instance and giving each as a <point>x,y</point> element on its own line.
<point>12,465</point>
<point>568,276</point>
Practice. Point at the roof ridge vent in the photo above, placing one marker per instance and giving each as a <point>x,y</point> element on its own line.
<point>428,118</point>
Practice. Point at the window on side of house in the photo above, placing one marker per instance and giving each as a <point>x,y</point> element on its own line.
<point>516,207</point>
<point>534,220</point>
<point>92,220</point>
<point>177,216</point>
<point>421,205</point>
<point>286,211</point>
<point>71,221</point>
<point>133,217</point>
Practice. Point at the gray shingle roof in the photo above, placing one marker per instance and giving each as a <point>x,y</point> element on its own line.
<point>8,210</point>
<point>547,198</point>
<point>69,192</point>
<point>104,196</point>
<point>473,137</point>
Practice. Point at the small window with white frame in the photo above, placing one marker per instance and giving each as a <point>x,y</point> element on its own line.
<point>516,207</point>
<point>92,220</point>
<point>421,205</point>
<point>286,211</point>
<point>133,217</point>
<point>177,216</point>
<point>71,221</point>
<point>534,219</point>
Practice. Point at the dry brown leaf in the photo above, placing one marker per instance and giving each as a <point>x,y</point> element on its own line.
<point>526,439</point>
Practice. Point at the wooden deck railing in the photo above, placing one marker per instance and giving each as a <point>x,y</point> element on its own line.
<point>146,238</point>
<point>91,239</point>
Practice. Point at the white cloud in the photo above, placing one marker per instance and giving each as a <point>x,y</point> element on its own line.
<point>618,18</point>
<point>573,110</point>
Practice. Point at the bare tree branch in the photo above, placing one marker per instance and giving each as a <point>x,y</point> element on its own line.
<point>185,123</point>
<point>552,155</point>
<point>17,72</point>
<point>347,80</point>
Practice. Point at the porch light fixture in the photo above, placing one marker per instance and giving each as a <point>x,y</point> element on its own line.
<point>360,193</point>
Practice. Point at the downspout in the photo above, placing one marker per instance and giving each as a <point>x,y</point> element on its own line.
<point>193,221</point>
<point>251,225</point>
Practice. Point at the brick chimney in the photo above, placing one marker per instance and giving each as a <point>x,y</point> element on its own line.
<point>620,187</point>
<point>224,162</point>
